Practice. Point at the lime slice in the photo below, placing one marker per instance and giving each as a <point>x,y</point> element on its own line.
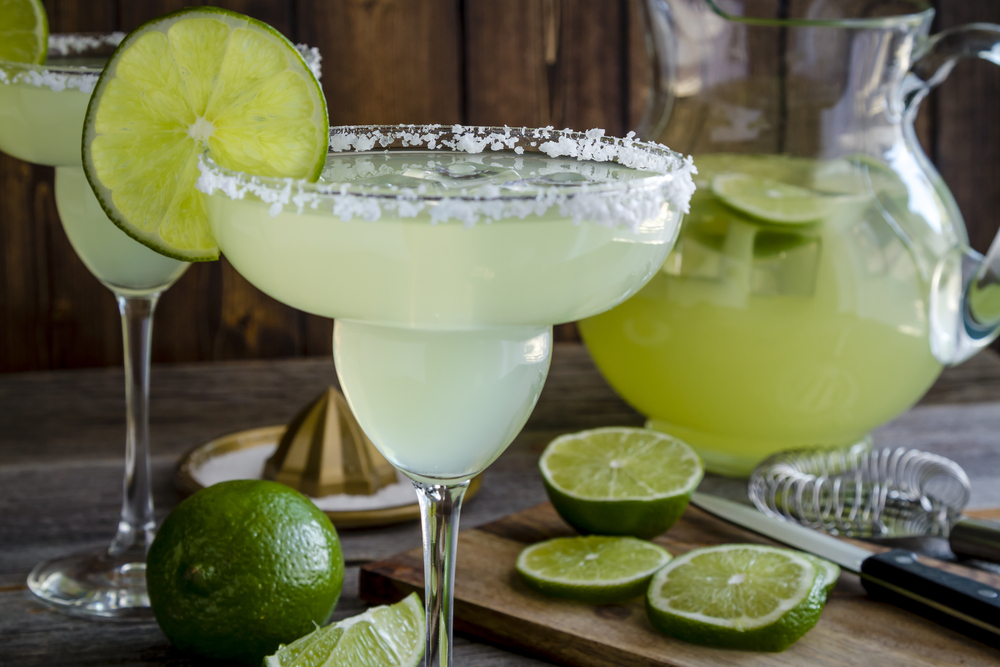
<point>194,79</point>
<point>829,572</point>
<point>592,569</point>
<point>770,200</point>
<point>24,31</point>
<point>387,636</point>
<point>620,481</point>
<point>743,596</point>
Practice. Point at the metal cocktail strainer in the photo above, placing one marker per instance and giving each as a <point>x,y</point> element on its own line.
<point>873,493</point>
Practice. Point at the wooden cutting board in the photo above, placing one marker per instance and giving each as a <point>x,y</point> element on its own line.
<point>492,603</point>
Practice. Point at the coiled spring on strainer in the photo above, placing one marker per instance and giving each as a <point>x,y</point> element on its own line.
<point>862,492</point>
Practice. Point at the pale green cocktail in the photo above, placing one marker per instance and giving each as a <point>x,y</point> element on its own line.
<point>430,310</point>
<point>41,121</point>
<point>124,266</point>
<point>761,335</point>
<point>445,261</point>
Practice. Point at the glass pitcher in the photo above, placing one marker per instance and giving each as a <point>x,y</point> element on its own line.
<point>822,277</point>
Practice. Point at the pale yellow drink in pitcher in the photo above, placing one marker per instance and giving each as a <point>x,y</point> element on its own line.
<point>789,313</point>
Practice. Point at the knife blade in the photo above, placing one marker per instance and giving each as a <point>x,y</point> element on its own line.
<point>896,576</point>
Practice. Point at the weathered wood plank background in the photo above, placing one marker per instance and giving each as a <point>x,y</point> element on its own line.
<point>568,63</point>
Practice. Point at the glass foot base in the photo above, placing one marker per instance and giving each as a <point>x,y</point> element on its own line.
<point>93,584</point>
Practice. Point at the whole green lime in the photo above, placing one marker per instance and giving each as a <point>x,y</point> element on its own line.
<point>241,567</point>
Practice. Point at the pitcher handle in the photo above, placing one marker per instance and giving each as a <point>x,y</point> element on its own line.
<point>980,286</point>
<point>661,49</point>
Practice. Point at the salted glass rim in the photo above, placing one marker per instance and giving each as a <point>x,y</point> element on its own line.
<point>419,141</point>
<point>68,44</point>
<point>923,12</point>
<point>669,179</point>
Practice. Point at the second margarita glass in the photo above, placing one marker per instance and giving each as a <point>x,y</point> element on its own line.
<point>42,108</point>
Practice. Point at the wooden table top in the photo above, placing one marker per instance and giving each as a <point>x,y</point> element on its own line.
<point>61,458</point>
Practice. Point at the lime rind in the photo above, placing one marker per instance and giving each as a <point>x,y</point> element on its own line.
<point>703,605</point>
<point>194,79</point>
<point>386,636</point>
<point>829,572</point>
<point>592,569</point>
<point>24,31</point>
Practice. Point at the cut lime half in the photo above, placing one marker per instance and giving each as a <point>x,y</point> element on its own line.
<point>770,200</point>
<point>620,481</point>
<point>387,636</point>
<point>197,79</point>
<point>24,31</point>
<point>743,596</point>
<point>594,569</point>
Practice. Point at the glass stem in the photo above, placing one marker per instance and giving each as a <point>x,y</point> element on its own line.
<point>137,527</point>
<point>440,505</point>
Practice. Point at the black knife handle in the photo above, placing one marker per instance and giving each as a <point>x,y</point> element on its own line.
<point>960,603</point>
<point>975,538</point>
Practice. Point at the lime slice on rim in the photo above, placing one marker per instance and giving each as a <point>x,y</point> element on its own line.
<point>24,31</point>
<point>594,569</point>
<point>742,596</point>
<point>620,481</point>
<point>194,79</point>
<point>387,636</point>
<point>770,200</point>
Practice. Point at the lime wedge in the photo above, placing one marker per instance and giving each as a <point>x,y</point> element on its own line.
<point>194,79</point>
<point>24,31</point>
<point>620,481</point>
<point>593,569</point>
<point>387,636</point>
<point>741,596</point>
<point>770,200</point>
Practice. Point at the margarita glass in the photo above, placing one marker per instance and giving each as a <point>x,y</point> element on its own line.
<point>446,255</point>
<point>42,109</point>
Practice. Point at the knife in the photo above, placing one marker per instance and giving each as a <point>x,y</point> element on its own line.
<point>896,576</point>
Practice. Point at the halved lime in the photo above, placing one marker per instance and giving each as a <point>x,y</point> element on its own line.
<point>387,636</point>
<point>620,481</point>
<point>743,596</point>
<point>194,79</point>
<point>24,31</point>
<point>770,200</point>
<point>594,569</point>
